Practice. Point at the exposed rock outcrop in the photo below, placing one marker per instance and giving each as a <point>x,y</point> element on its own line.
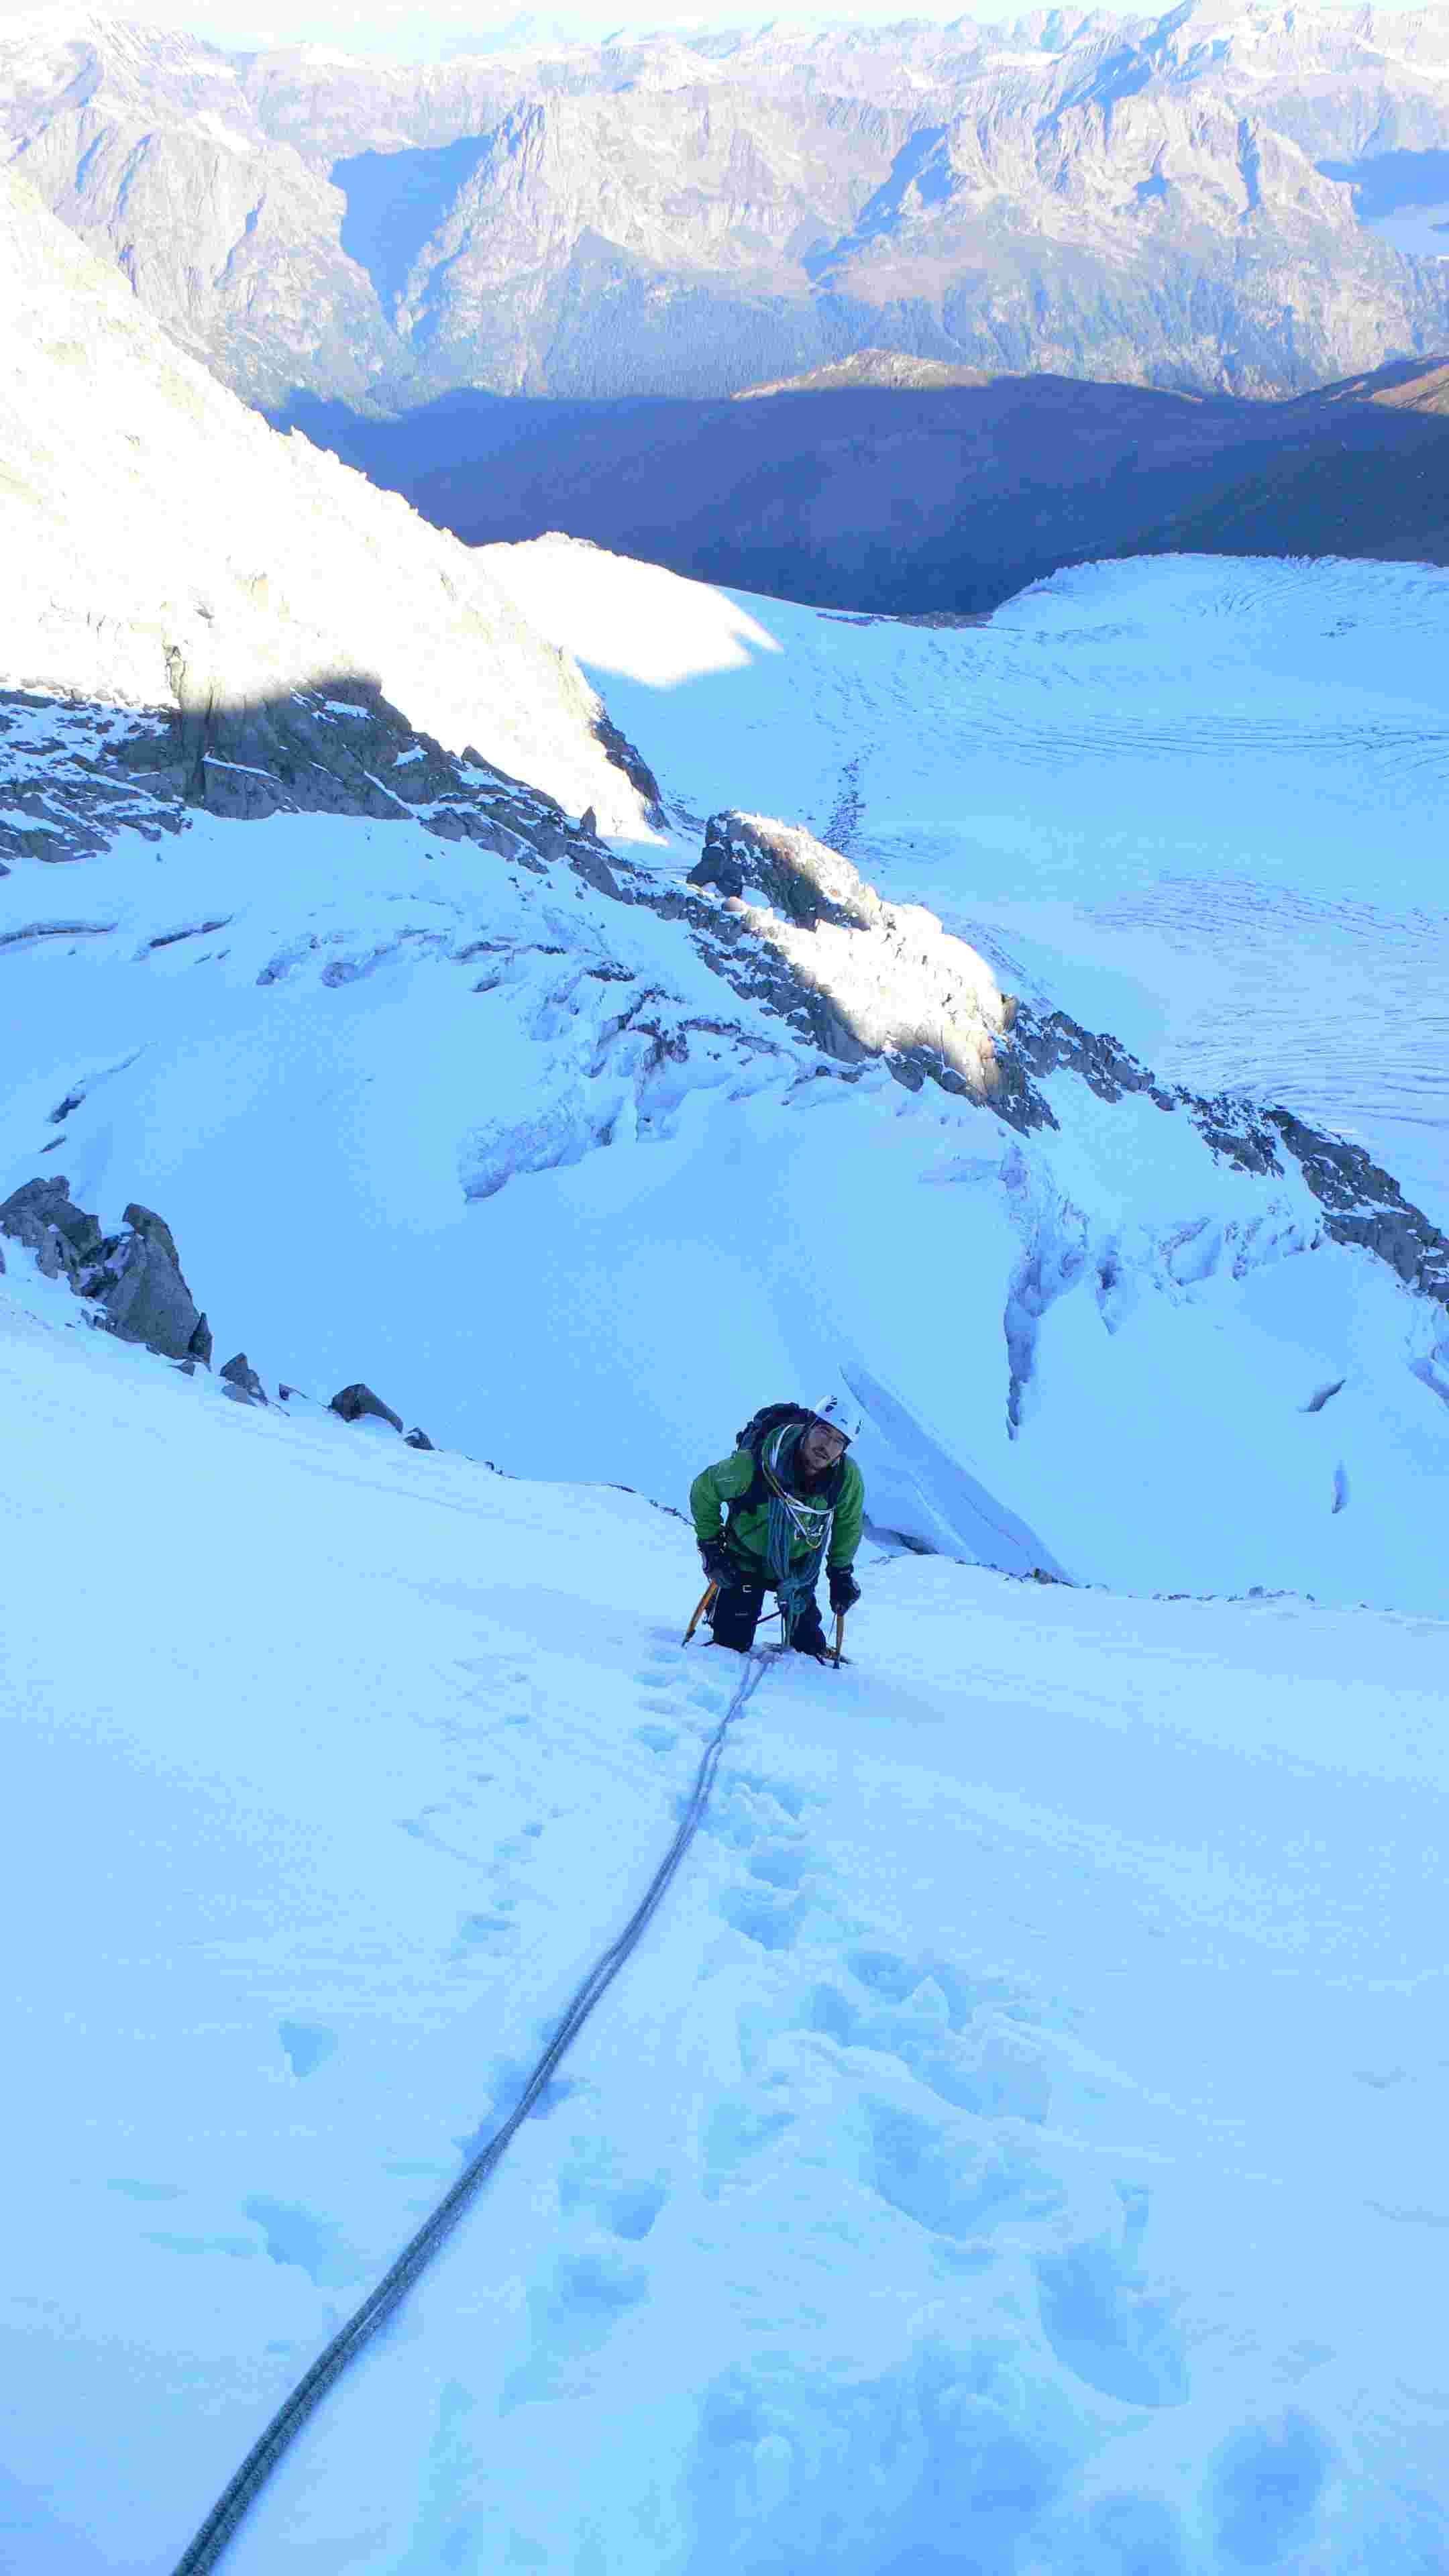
<point>41,1210</point>
<point>793,873</point>
<point>1361,1202</point>
<point>77,775</point>
<point>357,1402</point>
<point>241,1381</point>
<point>635,767</point>
<point>134,1276</point>
<point>152,1229</point>
<point>1048,1042</point>
<point>797,926</point>
<point>146,1298</point>
<point>263,625</point>
<point>134,1279</point>
<point>794,925</point>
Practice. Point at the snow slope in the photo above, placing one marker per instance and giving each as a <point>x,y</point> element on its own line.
<point>163,546</point>
<point>1197,802</point>
<point>512,1152</point>
<point>1018,2145</point>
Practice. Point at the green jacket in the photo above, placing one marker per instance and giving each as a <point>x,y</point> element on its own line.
<point>718,1486</point>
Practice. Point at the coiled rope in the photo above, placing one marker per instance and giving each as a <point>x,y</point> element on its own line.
<point>792,1517</point>
<point>227,2513</point>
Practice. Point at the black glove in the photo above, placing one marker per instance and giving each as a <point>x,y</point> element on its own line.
<point>844,1590</point>
<point>714,1556</point>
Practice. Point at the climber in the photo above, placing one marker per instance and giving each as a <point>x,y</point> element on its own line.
<point>768,1517</point>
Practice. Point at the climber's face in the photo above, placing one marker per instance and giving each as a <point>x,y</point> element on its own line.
<point>820,1446</point>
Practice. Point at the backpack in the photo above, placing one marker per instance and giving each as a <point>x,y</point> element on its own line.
<point>752,1436</point>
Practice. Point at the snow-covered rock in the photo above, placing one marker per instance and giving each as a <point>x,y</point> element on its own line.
<point>1196,803</point>
<point>132,1278</point>
<point>895,983</point>
<point>164,549</point>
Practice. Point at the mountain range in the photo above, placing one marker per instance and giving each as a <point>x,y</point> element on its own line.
<point>1210,200</point>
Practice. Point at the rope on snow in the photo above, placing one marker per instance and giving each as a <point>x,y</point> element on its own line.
<point>226,2514</point>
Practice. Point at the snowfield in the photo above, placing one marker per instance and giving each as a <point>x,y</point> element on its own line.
<point>514,1154</point>
<point>1017,2145</point>
<point>1194,801</point>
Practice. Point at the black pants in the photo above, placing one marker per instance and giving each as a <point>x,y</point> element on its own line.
<point>735,1615</point>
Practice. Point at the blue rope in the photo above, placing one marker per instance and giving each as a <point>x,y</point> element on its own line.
<point>227,2513</point>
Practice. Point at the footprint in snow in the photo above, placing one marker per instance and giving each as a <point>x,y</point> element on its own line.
<point>778,1868</point>
<point>738,2131</point>
<point>967,2040</point>
<point>777,1793</point>
<point>306,2044</point>
<point>591,2290</point>
<point>482,1931</point>
<point>597,2183</point>
<point>768,1919</point>
<point>506,2087</point>
<point>950,2178</point>
<point>1135,2535</point>
<point>315,2245</point>
<point>1264,2488</point>
<point>747,1810</point>
<point>1107,2328</point>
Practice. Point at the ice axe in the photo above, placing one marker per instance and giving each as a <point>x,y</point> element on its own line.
<point>701,1606</point>
<point>839,1635</point>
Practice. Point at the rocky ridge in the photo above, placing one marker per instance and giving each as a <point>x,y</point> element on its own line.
<point>77,774</point>
<point>903,495</point>
<point>128,588</point>
<point>130,1283</point>
<point>133,1278</point>
<point>1411,385</point>
<point>787,924</point>
<point>877,980</point>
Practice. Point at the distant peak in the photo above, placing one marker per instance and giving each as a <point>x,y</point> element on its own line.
<point>873,368</point>
<point>62,24</point>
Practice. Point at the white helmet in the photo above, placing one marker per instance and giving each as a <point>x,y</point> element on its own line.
<point>843,1414</point>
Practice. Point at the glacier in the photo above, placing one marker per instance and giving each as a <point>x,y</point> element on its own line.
<point>1197,802</point>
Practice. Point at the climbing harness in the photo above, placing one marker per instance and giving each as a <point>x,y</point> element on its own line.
<point>228,2511</point>
<point>707,1596</point>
